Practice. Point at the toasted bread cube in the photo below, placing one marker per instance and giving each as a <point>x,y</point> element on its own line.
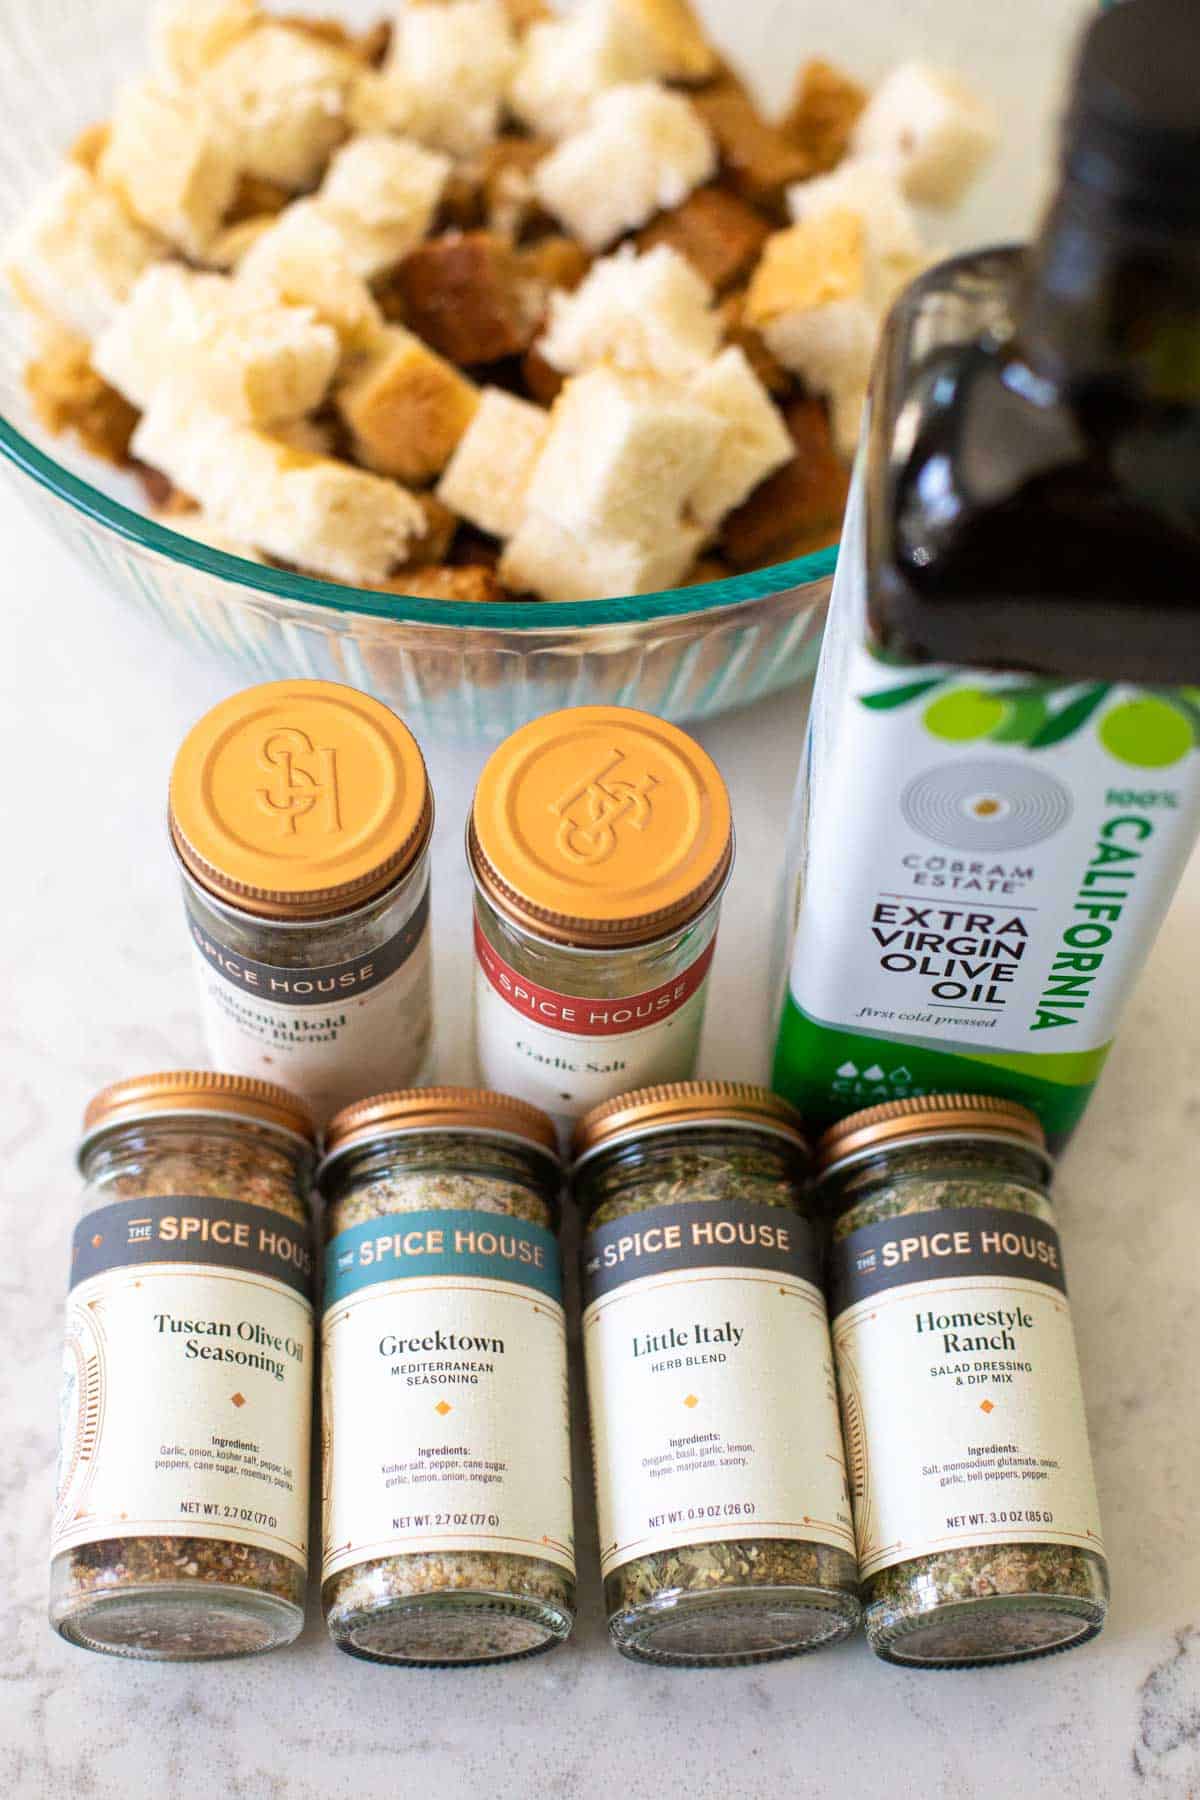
<point>809,298</point>
<point>937,131</point>
<point>543,382</point>
<point>800,508</point>
<point>509,200</point>
<point>70,395</point>
<point>76,255</point>
<point>759,161</point>
<point>678,49</point>
<point>770,371</point>
<point>490,471</point>
<point>755,443</point>
<point>406,407</point>
<point>171,163</point>
<point>556,262</point>
<point>565,63</point>
<point>643,149</point>
<point>445,76</point>
<point>304,260</point>
<point>470,295</point>
<point>825,108</point>
<point>233,242</point>
<point>189,36</point>
<point>650,313</point>
<point>548,560</point>
<point>467,581</point>
<point>721,236</point>
<point>382,192</point>
<point>868,188</point>
<point>281,97</point>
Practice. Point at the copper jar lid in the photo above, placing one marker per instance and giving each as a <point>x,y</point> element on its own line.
<point>684,1104</point>
<point>188,1093</point>
<point>929,1116</point>
<point>408,1111</point>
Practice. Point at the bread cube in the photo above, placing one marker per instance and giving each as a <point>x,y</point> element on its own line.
<point>509,202</point>
<point>755,442</point>
<point>470,295</point>
<point>406,407</point>
<point>556,262</point>
<point>445,76</point>
<point>303,259</point>
<point>800,508</point>
<point>868,187</point>
<point>650,313</point>
<point>721,236</point>
<point>759,161</point>
<point>490,471</point>
<point>70,396</point>
<point>188,36</point>
<point>809,298</point>
<point>171,163</point>
<point>233,242</point>
<point>677,47</point>
<point>825,108</point>
<point>643,149</point>
<point>202,528</point>
<point>472,582</point>
<point>381,193</point>
<point>281,96</point>
<point>934,128</point>
<point>546,559</point>
<point>566,63</point>
<point>77,254</point>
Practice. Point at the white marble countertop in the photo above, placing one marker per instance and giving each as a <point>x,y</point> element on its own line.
<point>97,984</point>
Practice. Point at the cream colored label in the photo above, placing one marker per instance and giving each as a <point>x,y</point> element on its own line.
<point>185,1410</point>
<point>714,1413</point>
<point>964,1419</point>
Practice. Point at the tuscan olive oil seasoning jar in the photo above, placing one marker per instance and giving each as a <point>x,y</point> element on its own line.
<point>181,1525</point>
<point>448,1533</point>
<point>725,1527</point>
<point>301,816</point>
<point>600,843</point>
<point>975,1505</point>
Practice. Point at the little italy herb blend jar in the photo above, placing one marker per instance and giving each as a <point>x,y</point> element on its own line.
<point>600,843</point>
<point>301,816</point>
<point>181,1526</point>
<point>448,1526</point>
<point>725,1527</point>
<point>974,1500</point>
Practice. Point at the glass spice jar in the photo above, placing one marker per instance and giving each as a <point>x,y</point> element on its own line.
<point>448,1524</point>
<point>301,816</point>
<point>975,1504</point>
<point>181,1525</point>
<point>600,843</point>
<point>725,1526</point>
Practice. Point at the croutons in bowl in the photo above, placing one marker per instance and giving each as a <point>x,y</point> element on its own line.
<point>486,358</point>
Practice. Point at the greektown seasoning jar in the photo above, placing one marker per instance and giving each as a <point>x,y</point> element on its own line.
<point>448,1526</point>
<point>975,1505</point>
<point>181,1527</point>
<point>725,1526</point>
<point>600,843</point>
<point>301,816</point>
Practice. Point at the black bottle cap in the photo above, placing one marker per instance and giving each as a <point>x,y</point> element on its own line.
<point>1133,130</point>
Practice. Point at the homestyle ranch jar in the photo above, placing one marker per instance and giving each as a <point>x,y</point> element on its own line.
<point>975,1505</point>
<point>725,1526</point>
<point>181,1524</point>
<point>600,843</point>
<point>448,1534</point>
<point>301,816</point>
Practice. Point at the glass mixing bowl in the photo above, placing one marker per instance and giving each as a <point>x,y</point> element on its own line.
<point>469,670</point>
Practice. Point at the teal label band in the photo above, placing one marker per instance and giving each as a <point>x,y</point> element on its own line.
<point>422,1245</point>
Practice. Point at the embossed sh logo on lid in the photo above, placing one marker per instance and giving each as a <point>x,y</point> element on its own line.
<point>304,778</point>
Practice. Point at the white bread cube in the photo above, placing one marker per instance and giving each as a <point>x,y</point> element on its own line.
<point>171,162</point>
<point>282,98</point>
<point>201,527</point>
<point>446,75</point>
<point>303,259</point>
<point>406,407</point>
<point>188,36</point>
<point>651,312</point>
<point>159,324</point>
<point>810,299</point>
<point>934,128</point>
<point>77,254</point>
<point>488,475</point>
<point>325,516</point>
<point>565,63</point>
<point>756,441</point>
<point>551,562</point>
<point>643,150</point>
<point>381,192</point>
<point>869,188</point>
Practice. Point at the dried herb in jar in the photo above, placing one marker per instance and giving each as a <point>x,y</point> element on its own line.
<point>301,817</point>
<point>448,1529</point>
<point>181,1527</point>
<point>975,1505</point>
<point>600,843</point>
<point>725,1528</point>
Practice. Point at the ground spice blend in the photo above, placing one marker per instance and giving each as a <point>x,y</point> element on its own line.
<point>448,1525</point>
<point>975,1505</point>
<point>600,843</point>
<point>725,1526</point>
<point>301,816</point>
<point>181,1525</point>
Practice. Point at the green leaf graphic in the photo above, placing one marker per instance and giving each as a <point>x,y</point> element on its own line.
<point>886,699</point>
<point>1028,714</point>
<point>1070,718</point>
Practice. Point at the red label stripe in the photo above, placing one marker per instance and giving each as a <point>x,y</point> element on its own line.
<point>577,1016</point>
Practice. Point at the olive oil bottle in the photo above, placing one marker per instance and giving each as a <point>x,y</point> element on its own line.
<point>1002,780</point>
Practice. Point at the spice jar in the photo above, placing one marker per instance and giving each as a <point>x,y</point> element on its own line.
<point>600,843</point>
<point>448,1526</point>
<point>725,1527</point>
<point>975,1505</point>
<point>181,1527</point>
<point>301,816</point>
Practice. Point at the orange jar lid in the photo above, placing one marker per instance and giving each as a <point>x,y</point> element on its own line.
<point>188,1092</point>
<point>600,826</point>
<point>896,1122</point>
<point>299,800</point>
<point>687,1105</point>
<point>412,1111</point>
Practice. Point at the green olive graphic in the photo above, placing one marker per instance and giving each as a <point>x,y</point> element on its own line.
<point>1147,734</point>
<point>964,715</point>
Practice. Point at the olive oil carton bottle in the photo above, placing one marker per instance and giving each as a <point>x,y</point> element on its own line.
<point>1002,779</point>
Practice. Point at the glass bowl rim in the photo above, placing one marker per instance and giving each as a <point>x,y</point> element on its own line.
<point>496,615</point>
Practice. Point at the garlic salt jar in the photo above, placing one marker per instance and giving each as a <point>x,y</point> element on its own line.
<point>301,815</point>
<point>600,842</point>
